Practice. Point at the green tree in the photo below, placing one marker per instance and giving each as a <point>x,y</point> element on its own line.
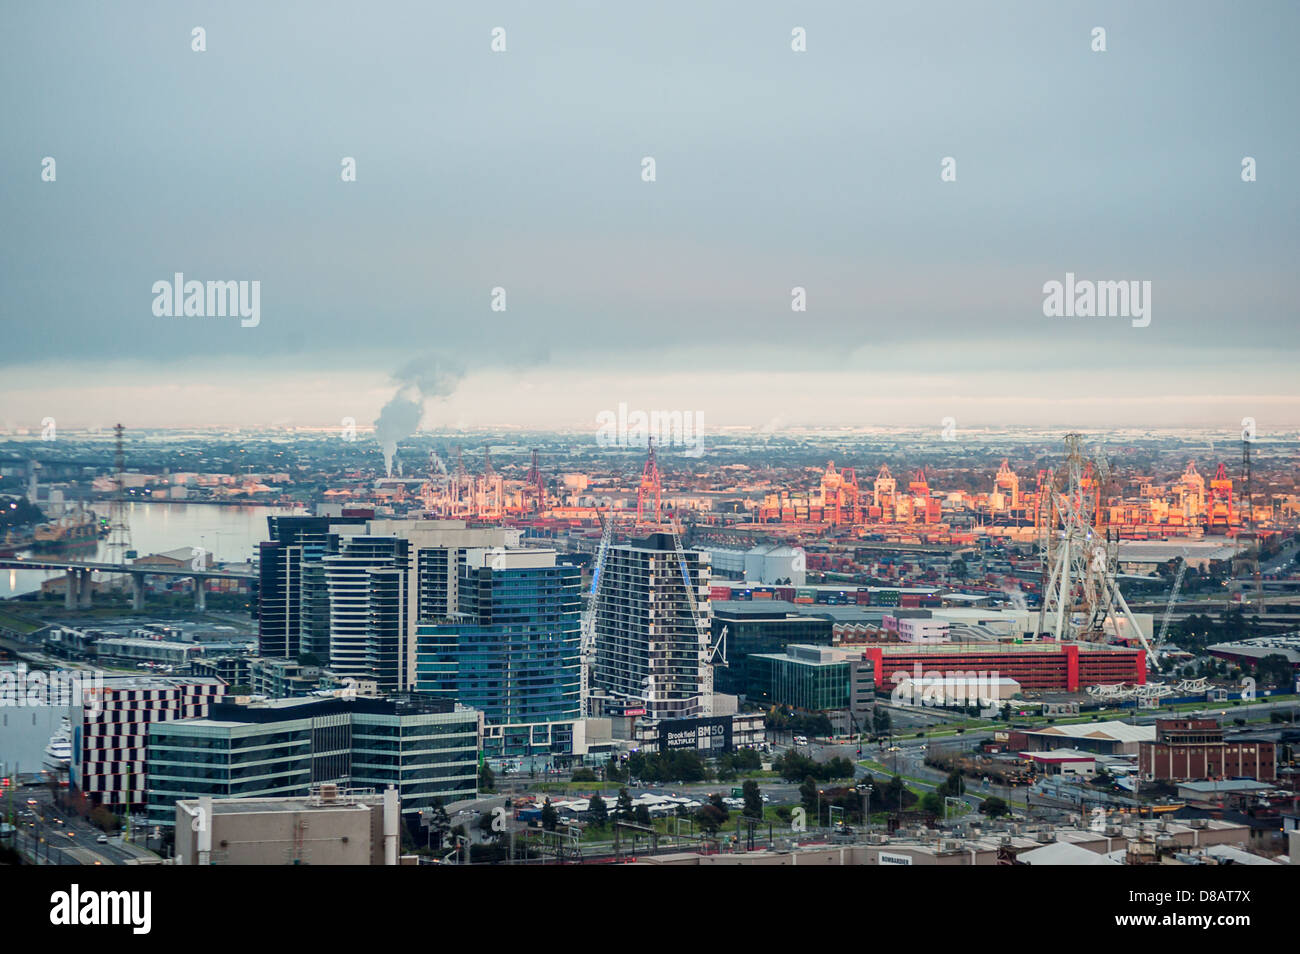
<point>599,811</point>
<point>713,815</point>
<point>808,796</point>
<point>954,785</point>
<point>642,815</point>
<point>439,822</point>
<point>623,808</point>
<point>753,799</point>
<point>550,817</point>
<point>716,801</point>
<point>994,807</point>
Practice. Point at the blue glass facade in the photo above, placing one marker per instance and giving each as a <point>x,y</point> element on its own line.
<point>512,652</point>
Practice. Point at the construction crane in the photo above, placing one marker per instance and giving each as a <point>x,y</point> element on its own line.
<point>709,650</point>
<point>587,643</point>
<point>1173,598</point>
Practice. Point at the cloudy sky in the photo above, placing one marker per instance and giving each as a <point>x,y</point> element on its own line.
<point>775,169</point>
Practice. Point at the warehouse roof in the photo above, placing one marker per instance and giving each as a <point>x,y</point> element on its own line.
<point>1114,731</point>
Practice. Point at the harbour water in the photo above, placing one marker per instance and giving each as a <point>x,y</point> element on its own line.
<point>24,733</point>
<point>231,534</point>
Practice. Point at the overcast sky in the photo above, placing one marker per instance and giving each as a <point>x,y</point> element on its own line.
<point>774,169</point>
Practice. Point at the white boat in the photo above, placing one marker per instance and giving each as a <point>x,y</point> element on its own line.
<point>58,754</point>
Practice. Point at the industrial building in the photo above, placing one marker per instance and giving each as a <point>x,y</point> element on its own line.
<point>1111,738</point>
<point>1248,652</point>
<point>1145,842</point>
<point>1037,666</point>
<point>331,826</point>
<point>764,564</point>
<point>1191,749</point>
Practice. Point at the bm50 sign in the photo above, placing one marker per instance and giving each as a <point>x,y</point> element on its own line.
<point>705,735</point>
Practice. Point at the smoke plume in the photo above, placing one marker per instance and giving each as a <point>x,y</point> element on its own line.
<point>422,378</point>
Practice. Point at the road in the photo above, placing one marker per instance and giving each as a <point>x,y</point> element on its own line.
<point>64,836</point>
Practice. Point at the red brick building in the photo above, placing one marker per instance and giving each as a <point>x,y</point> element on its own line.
<point>1043,666</point>
<point>1193,749</point>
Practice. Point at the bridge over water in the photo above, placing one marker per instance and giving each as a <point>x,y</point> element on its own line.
<point>79,576</point>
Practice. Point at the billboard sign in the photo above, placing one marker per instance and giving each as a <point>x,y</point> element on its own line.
<point>711,736</point>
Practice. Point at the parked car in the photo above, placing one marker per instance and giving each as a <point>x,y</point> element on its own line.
<point>102,840</point>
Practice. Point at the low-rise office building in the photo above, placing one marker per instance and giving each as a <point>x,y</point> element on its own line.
<point>813,679</point>
<point>427,748</point>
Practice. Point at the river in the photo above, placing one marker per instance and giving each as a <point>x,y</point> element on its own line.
<point>231,534</point>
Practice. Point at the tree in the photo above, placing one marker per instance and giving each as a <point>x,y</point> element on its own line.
<point>486,780</point>
<point>955,784</point>
<point>713,815</point>
<point>599,811</point>
<point>439,822</point>
<point>623,809</point>
<point>994,807</point>
<point>642,815</point>
<point>550,817</point>
<point>584,775</point>
<point>808,795</point>
<point>932,802</point>
<point>716,801</point>
<point>102,818</point>
<point>753,799</point>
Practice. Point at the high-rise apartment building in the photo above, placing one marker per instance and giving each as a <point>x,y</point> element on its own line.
<point>650,654</point>
<point>295,541</point>
<point>350,591</point>
<point>511,651</point>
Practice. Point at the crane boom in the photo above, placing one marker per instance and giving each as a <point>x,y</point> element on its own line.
<point>587,643</point>
<point>708,648</point>
<point>1173,598</point>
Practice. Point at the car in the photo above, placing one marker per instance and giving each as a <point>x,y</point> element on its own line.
<point>70,833</point>
<point>32,801</point>
<point>102,840</point>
